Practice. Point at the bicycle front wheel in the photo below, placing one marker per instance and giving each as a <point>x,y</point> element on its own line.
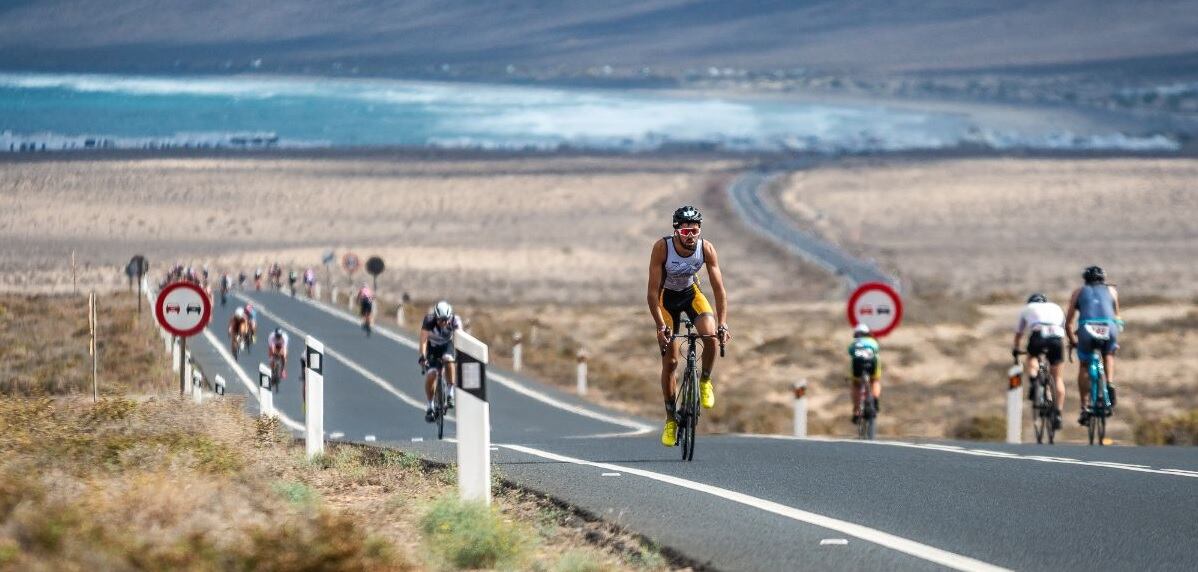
<point>442,401</point>
<point>690,416</point>
<point>1102,430</point>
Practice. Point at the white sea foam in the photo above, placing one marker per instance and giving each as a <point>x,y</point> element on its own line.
<point>513,117</point>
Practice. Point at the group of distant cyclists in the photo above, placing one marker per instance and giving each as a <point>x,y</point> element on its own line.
<point>1090,325</point>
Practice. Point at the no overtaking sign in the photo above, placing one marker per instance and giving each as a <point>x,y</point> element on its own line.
<point>876,305</point>
<point>183,309</point>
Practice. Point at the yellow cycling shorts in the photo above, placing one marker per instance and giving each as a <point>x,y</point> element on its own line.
<point>674,303</point>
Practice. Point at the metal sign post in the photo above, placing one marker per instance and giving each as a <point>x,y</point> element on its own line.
<point>313,397</point>
<point>327,260</point>
<point>474,419</point>
<point>374,267</point>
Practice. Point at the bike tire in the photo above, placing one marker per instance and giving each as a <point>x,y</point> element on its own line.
<point>1092,426</point>
<point>1102,430</point>
<point>871,423</point>
<point>441,399</point>
<point>690,421</point>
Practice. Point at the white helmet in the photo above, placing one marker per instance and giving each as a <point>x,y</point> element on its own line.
<point>861,330</point>
<point>442,310</point>
<point>240,313</point>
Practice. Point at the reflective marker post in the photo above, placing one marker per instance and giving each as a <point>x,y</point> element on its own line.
<point>800,428</point>
<point>517,351</point>
<point>266,399</point>
<point>474,419</point>
<point>313,397</point>
<point>580,383</point>
<point>1014,405</point>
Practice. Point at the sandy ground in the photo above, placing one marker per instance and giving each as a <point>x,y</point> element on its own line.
<point>505,230</point>
<point>1010,226</point>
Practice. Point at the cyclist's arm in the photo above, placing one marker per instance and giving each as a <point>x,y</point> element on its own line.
<point>423,342</point>
<point>1019,333</point>
<point>657,262</point>
<point>717,283</point>
<point>1115,299</point>
<point>1069,317</point>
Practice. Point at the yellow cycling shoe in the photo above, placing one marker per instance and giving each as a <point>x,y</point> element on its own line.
<point>706,394</point>
<point>669,435</point>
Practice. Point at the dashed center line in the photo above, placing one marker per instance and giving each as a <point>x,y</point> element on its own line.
<point>834,542</point>
<point>370,438</point>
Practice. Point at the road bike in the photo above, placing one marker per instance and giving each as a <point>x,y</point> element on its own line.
<point>1100,406</point>
<point>864,365</point>
<point>1044,407</point>
<point>686,401</point>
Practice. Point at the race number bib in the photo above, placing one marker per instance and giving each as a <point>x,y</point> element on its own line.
<point>863,353</point>
<point>1099,331</point>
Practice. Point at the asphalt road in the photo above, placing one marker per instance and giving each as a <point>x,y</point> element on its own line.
<point>760,502</point>
<point>747,195</point>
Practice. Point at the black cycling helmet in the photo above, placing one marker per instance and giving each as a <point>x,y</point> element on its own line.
<point>1094,275</point>
<point>279,332</point>
<point>1037,297</point>
<point>687,214</point>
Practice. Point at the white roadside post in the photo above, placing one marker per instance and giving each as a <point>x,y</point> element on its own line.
<point>1014,404</point>
<point>218,385</point>
<point>349,301</point>
<point>313,397</point>
<point>581,381</point>
<point>474,419</point>
<point>176,361</point>
<point>266,399</point>
<point>197,386</point>
<point>316,290</point>
<point>517,351</point>
<point>333,296</point>
<point>800,429</point>
<point>399,315</point>
<point>190,387</point>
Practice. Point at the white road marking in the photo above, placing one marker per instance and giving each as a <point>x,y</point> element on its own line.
<point>897,543</point>
<point>610,475</point>
<point>834,541</point>
<point>417,439</point>
<point>336,435</point>
<point>370,438</point>
<point>986,453</point>
<point>637,427</point>
<point>245,379</point>
<point>261,308</point>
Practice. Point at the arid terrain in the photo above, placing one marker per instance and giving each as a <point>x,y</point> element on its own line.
<point>561,243</point>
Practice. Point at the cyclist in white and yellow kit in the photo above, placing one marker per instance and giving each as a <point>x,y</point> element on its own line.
<point>674,290</point>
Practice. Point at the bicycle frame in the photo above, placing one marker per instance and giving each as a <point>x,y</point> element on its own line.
<point>1100,401</point>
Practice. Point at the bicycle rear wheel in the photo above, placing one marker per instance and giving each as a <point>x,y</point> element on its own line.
<point>1092,426</point>
<point>1101,430</point>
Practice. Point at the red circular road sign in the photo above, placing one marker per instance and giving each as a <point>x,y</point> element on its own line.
<point>876,305</point>
<point>350,262</point>
<point>183,309</point>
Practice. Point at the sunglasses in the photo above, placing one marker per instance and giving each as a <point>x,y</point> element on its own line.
<point>688,232</point>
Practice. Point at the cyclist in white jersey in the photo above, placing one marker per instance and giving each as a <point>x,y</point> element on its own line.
<point>436,351</point>
<point>1044,322</point>
<point>674,290</point>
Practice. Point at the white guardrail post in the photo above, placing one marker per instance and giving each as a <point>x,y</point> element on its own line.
<point>580,383</point>
<point>313,397</point>
<point>1015,404</point>
<point>266,399</point>
<point>800,428</point>
<point>474,419</point>
<point>517,351</point>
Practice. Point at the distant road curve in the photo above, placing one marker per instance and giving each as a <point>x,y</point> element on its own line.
<point>746,194</point>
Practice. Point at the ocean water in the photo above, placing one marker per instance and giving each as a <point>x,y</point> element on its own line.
<point>58,111</point>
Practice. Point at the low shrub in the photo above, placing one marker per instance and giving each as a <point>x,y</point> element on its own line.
<point>469,535</point>
<point>980,428</point>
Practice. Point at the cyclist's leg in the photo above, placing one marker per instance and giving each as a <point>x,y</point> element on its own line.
<point>1108,358</point>
<point>1084,351</point>
<point>875,386</point>
<point>1056,356</point>
<point>855,390</point>
<point>700,312</point>
<point>449,359</point>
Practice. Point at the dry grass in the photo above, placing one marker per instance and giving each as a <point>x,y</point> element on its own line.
<point>1180,429</point>
<point>44,346</point>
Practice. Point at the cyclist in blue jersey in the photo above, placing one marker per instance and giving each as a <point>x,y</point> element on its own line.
<point>865,360</point>
<point>1096,305</point>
